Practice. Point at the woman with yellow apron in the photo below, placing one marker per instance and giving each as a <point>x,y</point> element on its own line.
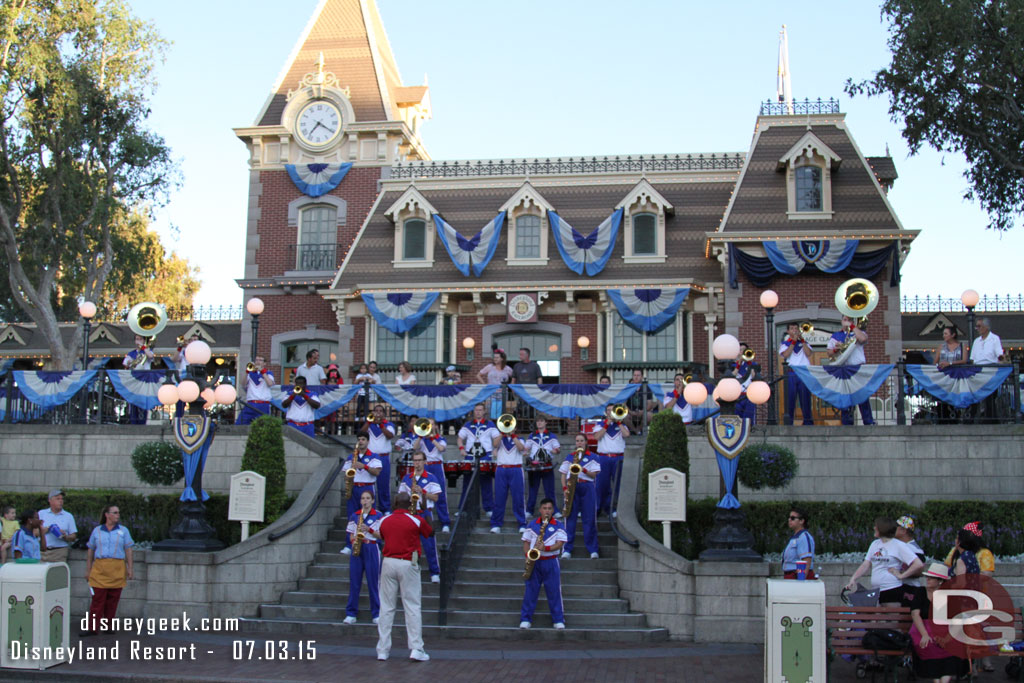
<point>108,568</point>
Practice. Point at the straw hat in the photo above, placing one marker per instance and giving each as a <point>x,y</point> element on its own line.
<point>937,570</point>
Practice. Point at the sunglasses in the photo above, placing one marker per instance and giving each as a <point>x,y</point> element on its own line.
<point>792,517</point>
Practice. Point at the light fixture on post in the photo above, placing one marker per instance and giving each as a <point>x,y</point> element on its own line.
<point>769,300</point>
<point>469,344</point>
<point>970,299</point>
<point>87,310</point>
<point>584,344</point>
<point>255,307</point>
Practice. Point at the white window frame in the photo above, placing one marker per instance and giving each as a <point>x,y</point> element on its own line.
<point>412,205</point>
<point>402,233</point>
<point>809,151</point>
<point>526,201</point>
<point>438,331</point>
<point>644,198</point>
<point>610,319</point>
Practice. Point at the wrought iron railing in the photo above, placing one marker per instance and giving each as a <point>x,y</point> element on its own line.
<point>450,556</point>
<point>949,304</point>
<point>581,165</point>
<point>800,108</point>
<point>315,257</point>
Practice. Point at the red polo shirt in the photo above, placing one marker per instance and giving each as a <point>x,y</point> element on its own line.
<point>401,532</point>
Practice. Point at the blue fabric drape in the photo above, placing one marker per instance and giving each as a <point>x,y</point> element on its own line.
<point>960,385</point>
<point>728,468</point>
<point>48,389</point>
<point>138,387</point>
<point>843,386</point>
<point>760,271</point>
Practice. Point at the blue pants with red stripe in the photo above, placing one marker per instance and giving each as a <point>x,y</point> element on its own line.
<point>384,483</point>
<point>429,546</point>
<point>253,410</point>
<point>611,466</point>
<point>486,490</point>
<point>547,477</point>
<point>548,573</point>
<point>308,429</point>
<point>441,504</point>
<point>368,563</point>
<point>508,481</point>
<point>584,503</point>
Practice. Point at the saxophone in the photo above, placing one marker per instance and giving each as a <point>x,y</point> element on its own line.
<point>534,553</point>
<point>570,486</point>
<point>350,478</point>
<point>414,499</point>
<point>357,545</point>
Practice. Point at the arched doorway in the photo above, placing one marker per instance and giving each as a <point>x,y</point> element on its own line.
<point>545,348</point>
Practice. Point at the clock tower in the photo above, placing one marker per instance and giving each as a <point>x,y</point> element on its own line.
<point>336,118</point>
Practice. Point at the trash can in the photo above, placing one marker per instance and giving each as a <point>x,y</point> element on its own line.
<point>36,603</point>
<point>794,631</point>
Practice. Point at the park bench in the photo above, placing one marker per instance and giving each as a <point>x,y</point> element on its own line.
<point>846,626</point>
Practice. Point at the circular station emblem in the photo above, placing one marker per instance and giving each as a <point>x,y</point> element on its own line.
<point>522,308</point>
<point>971,614</point>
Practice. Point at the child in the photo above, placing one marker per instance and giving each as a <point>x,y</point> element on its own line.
<point>29,540</point>
<point>10,525</point>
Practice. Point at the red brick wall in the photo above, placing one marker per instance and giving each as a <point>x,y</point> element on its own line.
<point>290,313</point>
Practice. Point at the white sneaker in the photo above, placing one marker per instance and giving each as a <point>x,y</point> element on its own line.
<point>558,626</point>
<point>524,624</point>
<point>566,555</point>
<point>382,657</point>
<point>376,620</point>
<point>346,551</point>
<point>349,620</point>
<point>435,578</point>
<point>445,529</point>
<point>419,656</point>
<point>522,529</point>
<point>615,515</point>
<point>495,530</point>
<point>489,513</point>
<point>593,556</point>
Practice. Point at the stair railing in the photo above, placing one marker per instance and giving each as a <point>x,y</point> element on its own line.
<point>451,554</point>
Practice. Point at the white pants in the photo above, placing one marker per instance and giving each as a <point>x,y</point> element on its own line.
<point>398,575</point>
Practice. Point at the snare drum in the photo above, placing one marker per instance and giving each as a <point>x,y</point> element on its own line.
<point>487,467</point>
<point>452,469</point>
<point>466,466</point>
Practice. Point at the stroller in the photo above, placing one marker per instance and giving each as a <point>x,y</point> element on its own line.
<point>868,664</point>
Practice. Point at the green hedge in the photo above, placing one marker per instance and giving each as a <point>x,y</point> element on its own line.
<point>158,463</point>
<point>848,527</point>
<point>264,454</point>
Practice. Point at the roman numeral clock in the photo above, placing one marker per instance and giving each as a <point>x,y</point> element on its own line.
<point>318,123</point>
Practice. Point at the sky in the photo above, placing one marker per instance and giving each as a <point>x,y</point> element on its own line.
<point>547,79</point>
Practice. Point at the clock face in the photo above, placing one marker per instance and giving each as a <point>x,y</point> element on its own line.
<point>318,123</point>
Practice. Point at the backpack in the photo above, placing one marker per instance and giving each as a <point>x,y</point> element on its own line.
<point>885,639</point>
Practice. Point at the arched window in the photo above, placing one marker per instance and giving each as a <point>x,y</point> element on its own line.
<point>808,188</point>
<point>318,238</point>
<point>645,234</point>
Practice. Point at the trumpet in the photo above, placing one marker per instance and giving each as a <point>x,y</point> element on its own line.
<point>357,545</point>
<point>575,469</point>
<point>249,367</point>
<point>423,427</point>
<point>181,340</point>
<point>748,355</point>
<point>534,553</point>
<point>350,480</point>
<point>297,390</point>
<point>620,412</point>
<point>507,424</point>
<point>371,418</point>
<point>806,328</point>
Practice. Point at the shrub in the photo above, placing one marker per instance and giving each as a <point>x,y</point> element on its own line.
<point>158,463</point>
<point>666,447</point>
<point>264,453</point>
<point>766,465</point>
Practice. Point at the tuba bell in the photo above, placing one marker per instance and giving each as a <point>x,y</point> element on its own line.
<point>856,299</point>
<point>423,427</point>
<point>507,423</point>
<point>147,319</point>
<point>620,412</point>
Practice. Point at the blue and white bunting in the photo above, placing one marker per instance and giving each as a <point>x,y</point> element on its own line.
<point>399,311</point>
<point>473,253</point>
<point>574,400</point>
<point>331,396</point>
<point>829,256</point>
<point>5,365</point>
<point>700,413</point>
<point>442,402</point>
<point>48,389</point>
<point>648,310</point>
<point>193,434</point>
<point>843,386</point>
<point>315,180</point>
<point>960,385</point>
<point>138,387</point>
<point>590,253</point>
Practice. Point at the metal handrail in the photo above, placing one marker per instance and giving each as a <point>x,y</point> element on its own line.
<point>451,555</point>
<point>324,490</point>
<point>631,542</point>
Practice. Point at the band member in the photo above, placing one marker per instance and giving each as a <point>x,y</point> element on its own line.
<point>851,334</point>
<point>367,467</point>
<point>675,402</point>
<point>508,480</point>
<point>380,433</point>
<point>140,358</point>
<point>434,446</point>
<point>543,447</point>
<point>257,392</point>
<point>546,571</point>
<point>401,532</point>
<point>796,353</point>
<point>476,441</point>
<point>180,363</point>
<point>367,561</point>
<point>611,448</point>
<point>584,500</point>
<point>425,485</point>
<point>299,407</point>
<point>745,371</point>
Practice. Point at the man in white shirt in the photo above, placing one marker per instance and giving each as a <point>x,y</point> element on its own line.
<point>851,334</point>
<point>796,353</point>
<point>59,527</point>
<point>314,373</point>
<point>987,348</point>
<point>257,392</point>
<point>675,402</point>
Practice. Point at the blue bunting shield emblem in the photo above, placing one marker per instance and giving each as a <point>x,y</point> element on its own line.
<point>728,434</point>
<point>190,432</point>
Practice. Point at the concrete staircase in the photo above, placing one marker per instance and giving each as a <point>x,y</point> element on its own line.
<point>485,602</point>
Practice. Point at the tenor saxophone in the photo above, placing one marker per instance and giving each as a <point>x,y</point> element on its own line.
<point>357,545</point>
<point>534,553</point>
<point>570,486</point>
<point>350,479</point>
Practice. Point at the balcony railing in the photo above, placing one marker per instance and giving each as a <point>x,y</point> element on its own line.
<point>818,106</point>
<point>938,304</point>
<point>617,164</point>
<point>315,257</point>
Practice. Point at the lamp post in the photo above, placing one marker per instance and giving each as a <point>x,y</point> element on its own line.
<point>469,343</point>
<point>584,344</point>
<point>769,300</point>
<point>970,299</point>
<point>255,307</point>
<point>87,310</point>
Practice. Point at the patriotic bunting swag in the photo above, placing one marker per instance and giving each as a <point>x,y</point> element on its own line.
<point>443,402</point>
<point>401,311</point>
<point>48,389</point>
<point>828,256</point>
<point>648,310</point>
<point>843,386</point>
<point>959,385</point>
<point>5,365</point>
<point>589,253</point>
<point>315,180</point>
<point>700,413</point>
<point>573,400</point>
<point>138,387</point>
<point>475,252</point>
<point>331,397</point>
<point>193,434</point>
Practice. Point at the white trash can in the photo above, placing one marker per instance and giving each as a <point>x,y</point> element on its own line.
<point>35,600</point>
<point>794,631</point>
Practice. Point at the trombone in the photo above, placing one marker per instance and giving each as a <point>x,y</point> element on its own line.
<point>423,427</point>
<point>249,367</point>
<point>620,412</point>
<point>507,424</point>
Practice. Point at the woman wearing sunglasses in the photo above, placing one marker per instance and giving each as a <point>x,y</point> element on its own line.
<point>800,546</point>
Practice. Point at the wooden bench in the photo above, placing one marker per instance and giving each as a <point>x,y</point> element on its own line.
<point>847,625</point>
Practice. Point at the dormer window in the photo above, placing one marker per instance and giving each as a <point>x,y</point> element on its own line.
<point>808,188</point>
<point>645,234</point>
<point>414,233</point>
<point>527,227</point>
<point>644,222</point>
<point>809,165</point>
<point>414,243</point>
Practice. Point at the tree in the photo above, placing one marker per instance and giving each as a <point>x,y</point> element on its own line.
<point>957,82</point>
<point>75,158</point>
<point>264,454</point>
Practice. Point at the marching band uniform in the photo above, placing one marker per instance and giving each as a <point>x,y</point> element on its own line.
<point>435,466</point>
<point>429,483</point>
<point>685,411</point>
<point>611,449</point>
<point>745,372</point>
<point>300,414</point>
<point>794,385</point>
<point>584,502</point>
<point>364,478</point>
<point>482,433</point>
<point>856,358</point>
<point>366,562</point>
<point>546,572</point>
<point>257,396</point>
<point>549,443</point>
<point>508,480</point>
<point>380,446</point>
<point>136,415</point>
